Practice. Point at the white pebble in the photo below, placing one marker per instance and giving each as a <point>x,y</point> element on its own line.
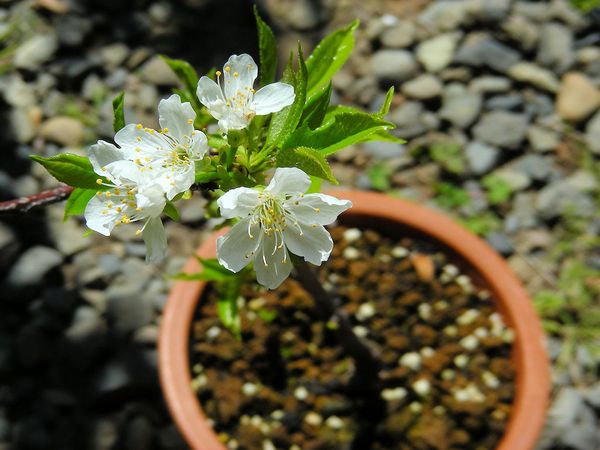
<point>448,374</point>
<point>393,394</point>
<point>268,445</point>
<point>384,257</point>
<point>467,317</point>
<point>469,394</point>
<point>265,428</point>
<point>249,389</point>
<point>412,360</point>
<point>441,305</point>
<point>461,361</point>
<point>469,342</point>
<point>360,331</point>
<point>451,270</point>
<point>450,330</point>
<point>245,419</point>
<point>256,421</point>
<point>484,295</point>
<point>425,311</point>
<point>198,368</point>
<point>352,234</point>
<point>365,311</point>
<point>498,414</point>
<point>464,282</point>
<point>400,252</point>
<point>334,422</point>
<point>422,387</point>
<point>233,444</point>
<point>312,418</point>
<point>301,393</point>
<point>416,407</point>
<point>278,414</point>
<point>427,352</point>
<point>481,332</point>
<point>439,410</point>
<point>199,382</point>
<point>508,336</point>
<point>295,447</point>
<point>257,303</point>
<point>490,380</point>
<point>213,332</point>
<point>351,253</point>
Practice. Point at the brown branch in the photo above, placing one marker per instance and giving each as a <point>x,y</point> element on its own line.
<point>24,204</point>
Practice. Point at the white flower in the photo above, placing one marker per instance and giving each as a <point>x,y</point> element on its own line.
<point>133,196</point>
<point>277,220</point>
<point>234,102</point>
<point>169,153</point>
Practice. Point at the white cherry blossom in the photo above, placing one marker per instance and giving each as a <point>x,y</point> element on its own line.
<point>132,196</point>
<point>279,219</point>
<point>170,153</point>
<point>233,101</point>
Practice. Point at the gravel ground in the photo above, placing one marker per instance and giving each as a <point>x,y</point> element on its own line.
<point>499,101</point>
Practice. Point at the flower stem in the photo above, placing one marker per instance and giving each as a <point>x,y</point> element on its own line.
<point>24,204</point>
<point>367,364</point>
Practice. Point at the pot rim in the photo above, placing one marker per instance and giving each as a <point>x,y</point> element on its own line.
<point>533,375</point>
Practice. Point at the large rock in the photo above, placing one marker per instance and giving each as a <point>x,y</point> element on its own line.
<point>412,120</point>
<point>423,87</point>
<point>481,157</point>
<point>592,133</point>
<point>527,72</point>
<point>445,15</point>
<point>62,130</point>
<point>577,97</point>
<point>156,71</point>
<point>33,265</point>
<point>480,50</point>
<point>393,65</point>
<point>504,129</point>
<point>523,31</point>
<point>573,193</point>
<point>437,53</point>
<point>556,47</point>
<point>35,51</point>
<point>460,105</point>
<point>399,35</point>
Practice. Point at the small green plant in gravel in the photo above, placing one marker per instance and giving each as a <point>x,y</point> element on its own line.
<point>497,189</point>
<point>449,155</point>
<point>450,196</point>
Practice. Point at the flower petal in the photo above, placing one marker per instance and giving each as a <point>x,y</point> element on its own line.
<point>317,208</point>
<point>155,239</point>
<point>102,154</point>
<point>311,241</point>
<point>233,120</point>
<point>237,202</point>
<point>99,217</point>
<point>134,139</point>
<point>198,145</point>
<point>174,181</point>
<point>176,117</point>
<point>272,262</point>
<point>237,248</point>
<point>288,180</point>
<point>272,98</point>
<point>210,95</point>
<point>240,76</point>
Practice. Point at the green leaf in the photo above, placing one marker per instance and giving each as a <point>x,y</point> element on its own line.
<point>267,49</point>
<point>227,309</point>
<point>314,111</point>
<point>286,120</point>
<point>188,76</point>
<point>328,57</point>
<point>119,114</point>
<point>77,201</point>
<point>71,169</point>
<point>387,102</point>
<point>205,177</point>
<point>307,159</point>
<point>171,211</point>
<point>384,136</point>
<point>211,271</point>
<point>345,129</point>
<point>315,185</point>
<point>216,141</point>
<point>497,189</point>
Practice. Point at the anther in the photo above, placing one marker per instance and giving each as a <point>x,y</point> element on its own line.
<point>99,181</point>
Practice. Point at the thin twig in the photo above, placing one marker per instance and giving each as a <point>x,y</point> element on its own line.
<point>24,204</point>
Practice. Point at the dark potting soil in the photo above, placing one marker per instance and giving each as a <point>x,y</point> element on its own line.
<point>447,381</point>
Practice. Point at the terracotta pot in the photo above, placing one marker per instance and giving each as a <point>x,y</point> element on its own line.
<point>395,218</point>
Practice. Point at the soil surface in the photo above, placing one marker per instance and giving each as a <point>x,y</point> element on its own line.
<point>446,382</point>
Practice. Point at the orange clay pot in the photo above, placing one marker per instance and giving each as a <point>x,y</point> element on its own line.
<point>395,218</point>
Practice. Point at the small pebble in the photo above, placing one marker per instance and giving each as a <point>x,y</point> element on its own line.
<point>301,393</point>
<point>464,282</point>
<point>351,253</point>
<point>467,317</point>
<point>425,311</point>
<point>212,333</point>
<point>249,389</point>
<point>490,380</point>
<point>198,382</point>
<point>450,330</point>
<point>469,342</point>
<point>461,361</point>
<point>439,410</point>
<point>393,394</point>
<point>268,445</point>
<point>360,331</point>
<point>365,311</point>
<point>508,335</point>
<point>416,407</point>
<point>427,352</point>
<point>278,414</point>
<point>450,270</point>
<point>352,234</point>
<point>400,252</point>
<point>481,332</point>
<point>441,305</point>
<point>448,374</point>
<point>312,418</point>
<point>233,444</point>
<point>422,387</point>
<point>334,422</point>
<point>412,360</point>
<point>256,421</point>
